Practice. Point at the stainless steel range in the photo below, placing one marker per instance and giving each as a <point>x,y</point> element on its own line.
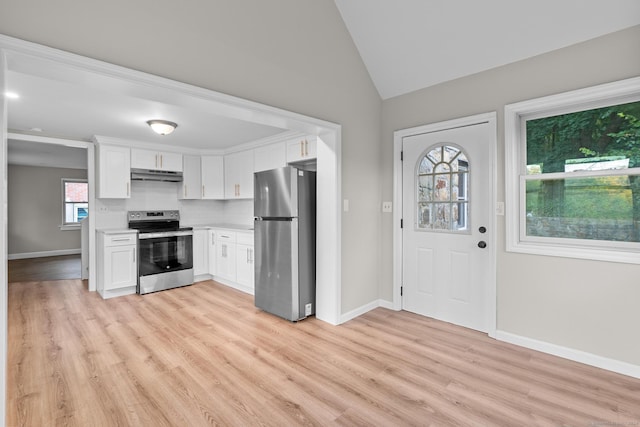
<point>165,250</point>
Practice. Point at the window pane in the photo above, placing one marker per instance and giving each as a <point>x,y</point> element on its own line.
<point>76,192</point>
<point>599,139</point>
<point>442,182</point>
<point>593,208</point>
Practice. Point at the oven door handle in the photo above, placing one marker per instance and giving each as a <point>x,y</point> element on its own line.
<point>160,234</point>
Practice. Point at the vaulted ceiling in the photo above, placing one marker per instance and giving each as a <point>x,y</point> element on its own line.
<point>408,45</point>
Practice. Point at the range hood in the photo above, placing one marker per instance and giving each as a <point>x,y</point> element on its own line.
<point>155,175</point>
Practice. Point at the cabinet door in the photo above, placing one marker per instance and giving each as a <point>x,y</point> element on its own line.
<point>212,177</point>
<point>170,162</point>
<point>120,267</point>
<point>226,259</point>
<point>302,149</point>
<point>191,186</point>
<point>144,159</point>
<point>200,252</point>
<point>238,175</point>
<point>244,265</point>
<point>212,252</point>
<point>114,172</point>
<point>269,157</point>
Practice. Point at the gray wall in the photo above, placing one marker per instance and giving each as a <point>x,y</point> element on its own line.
<point>584,305</point>
<point>292,54</point>
<point>35,209</point>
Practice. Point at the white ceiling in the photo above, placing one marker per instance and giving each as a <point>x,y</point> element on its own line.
<point>408,45</point>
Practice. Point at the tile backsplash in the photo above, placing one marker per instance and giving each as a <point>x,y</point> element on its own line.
<point>153,195</point>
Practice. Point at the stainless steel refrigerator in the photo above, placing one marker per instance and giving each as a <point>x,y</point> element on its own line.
<point>285,242</point>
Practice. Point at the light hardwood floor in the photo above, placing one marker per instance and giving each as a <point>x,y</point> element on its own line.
<point>46,268</point>
<point>204,355</point>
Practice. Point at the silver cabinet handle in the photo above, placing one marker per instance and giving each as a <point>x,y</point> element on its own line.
<point>134,257</point>
<point>203,191</point>
<point>121,239</point>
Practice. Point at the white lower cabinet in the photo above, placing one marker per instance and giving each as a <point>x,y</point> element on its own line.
<point>200,253</point>
<point>117,266</point>
<point>234,258</point>
<point>245,273</point>
<point>211,240</point>
<point>226,255</point>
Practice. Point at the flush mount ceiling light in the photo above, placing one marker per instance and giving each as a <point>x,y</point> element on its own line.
<point>162,127</point>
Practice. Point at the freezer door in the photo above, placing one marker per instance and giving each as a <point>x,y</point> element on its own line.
<point>275,193</point>
<point>276,267</point>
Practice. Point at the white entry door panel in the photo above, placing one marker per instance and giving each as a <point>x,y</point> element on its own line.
<point>446,179</point>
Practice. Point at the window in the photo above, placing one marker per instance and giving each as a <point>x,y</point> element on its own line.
<point>75,201</point>
<point>442,182</point>
<point>573,174</point>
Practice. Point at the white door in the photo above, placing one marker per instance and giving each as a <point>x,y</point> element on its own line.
<point>446,179</point>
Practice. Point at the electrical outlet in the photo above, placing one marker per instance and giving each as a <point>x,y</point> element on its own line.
<point>307,309</point>
<point>103,209</point>
<point>345,205</point>
<point>500,208</point>
<point>387,207</point>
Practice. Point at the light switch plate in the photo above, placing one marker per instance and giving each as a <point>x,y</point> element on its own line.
<point>345,205</point>
<point>500,208</point>
<point>387,207</point>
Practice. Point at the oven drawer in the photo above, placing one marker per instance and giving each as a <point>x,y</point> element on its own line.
<point>120,239</point>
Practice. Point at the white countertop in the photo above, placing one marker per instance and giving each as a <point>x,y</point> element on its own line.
<point>224,226</point>
<point>116,230</point>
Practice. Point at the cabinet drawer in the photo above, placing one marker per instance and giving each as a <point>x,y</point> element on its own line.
<point>120,239</point>
<point>244,239</point>
<point>225,236</point>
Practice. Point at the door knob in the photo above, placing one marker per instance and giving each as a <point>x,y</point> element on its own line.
<point>482,244</point>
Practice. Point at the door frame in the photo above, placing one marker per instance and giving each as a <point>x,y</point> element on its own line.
<point>398,136</point>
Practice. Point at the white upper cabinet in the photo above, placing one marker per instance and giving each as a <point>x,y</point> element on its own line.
<point>191,186</point>
<point>270,156</point>
<point>114,172</point>
<point>156,160</point>
<point>212,177</point>
<point>302,149</point>
<point>238,175</point>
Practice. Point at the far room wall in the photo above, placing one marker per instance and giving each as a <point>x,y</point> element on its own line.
<point>35,210</point>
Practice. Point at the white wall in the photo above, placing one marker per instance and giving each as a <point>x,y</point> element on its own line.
<point>293,54</point>
<point>583,305</point>
<point>35,209</point>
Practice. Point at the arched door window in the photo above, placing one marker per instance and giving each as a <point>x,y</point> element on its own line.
<point>443,190</point>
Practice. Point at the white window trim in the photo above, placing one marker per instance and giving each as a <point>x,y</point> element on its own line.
<point>514,116</point>
<point>65,226</point>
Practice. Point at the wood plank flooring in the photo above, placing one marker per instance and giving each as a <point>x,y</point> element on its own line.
<point>203,355</point>
<point>46,268</point>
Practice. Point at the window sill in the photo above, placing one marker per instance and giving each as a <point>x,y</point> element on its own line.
<point>68,227</point>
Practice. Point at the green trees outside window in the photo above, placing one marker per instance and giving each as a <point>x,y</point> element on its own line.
<point>583,174</point>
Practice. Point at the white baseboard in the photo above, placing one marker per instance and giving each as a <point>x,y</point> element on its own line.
<point>44,254</point>
<point>571,354</point>
<point>365,308</point>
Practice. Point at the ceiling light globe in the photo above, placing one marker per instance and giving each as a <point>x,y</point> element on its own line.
<point>162,127</point>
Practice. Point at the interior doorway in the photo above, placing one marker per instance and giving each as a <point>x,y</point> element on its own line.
<point>49,201</point>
